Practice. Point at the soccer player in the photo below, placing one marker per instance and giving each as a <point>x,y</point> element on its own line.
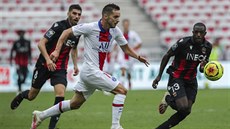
<point>56,71</point>
<point>98,37</point>
<point>126,63</point>
<point>188,53</point>
<point>22,57</point>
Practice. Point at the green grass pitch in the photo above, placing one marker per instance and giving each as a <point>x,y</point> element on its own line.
<point>211,111</point>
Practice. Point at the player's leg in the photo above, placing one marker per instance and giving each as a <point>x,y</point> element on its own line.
<point>183,111</point>
<point>24,72</point>
<point>129,80</point>
<point>178,93</point>
<point>58,80</point>
<point>39,78</point>
<point>117,105</point>
<point>123,75</point>
<point>77,100</point>
<point>20,76</point>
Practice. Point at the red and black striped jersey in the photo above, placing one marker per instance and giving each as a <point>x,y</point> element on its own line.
<point>187,57</point>
<point>53,35</point>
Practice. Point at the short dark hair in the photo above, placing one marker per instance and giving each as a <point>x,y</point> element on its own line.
<point>75,6</point>
<point>125,20</point>
<point>109,8</point>
<point>199,24</point>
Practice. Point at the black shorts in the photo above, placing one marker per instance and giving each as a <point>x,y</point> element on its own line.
<point>178,88</point>
<point>41,74</point>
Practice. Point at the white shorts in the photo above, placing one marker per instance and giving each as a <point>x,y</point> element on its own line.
<point>92,79</point>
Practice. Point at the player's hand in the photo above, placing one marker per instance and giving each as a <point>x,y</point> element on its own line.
<point>51,65</point>
<point>202,64</point>
<point>155,82</point>
<point>143,60</point>
<point>54,56</point>
<point>76,71</point>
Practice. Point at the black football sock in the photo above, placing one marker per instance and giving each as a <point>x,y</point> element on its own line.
<point>54,119</point>
<point>173,120</point>
<point>19,85</point>
<point>171,102</point>
<point>24,94</point>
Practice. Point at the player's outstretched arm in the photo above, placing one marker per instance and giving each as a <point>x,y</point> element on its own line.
<point>163,64</point>
<point>65,34</point>
<point>127,50</point>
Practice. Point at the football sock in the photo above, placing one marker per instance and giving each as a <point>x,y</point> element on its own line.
<point>59,108</point>
<point>117,108</point>
<point>54,119</point>
<point>171,102</point>
<point>24,94</point>
<point>172,121</point>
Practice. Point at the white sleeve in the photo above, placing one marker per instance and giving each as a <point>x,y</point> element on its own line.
<point>81,29</point>
<point>120,39</point>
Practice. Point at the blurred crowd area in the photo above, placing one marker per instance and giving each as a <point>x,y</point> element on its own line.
<point>173,19</point>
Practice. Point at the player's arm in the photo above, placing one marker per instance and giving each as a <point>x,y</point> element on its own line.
<point>74,55</point>
<point>127,50</point>
<point>30,53</point>
<point>42,47</point>
<point>163,64</point>
<point>11,53</point>
<point>65,34</point>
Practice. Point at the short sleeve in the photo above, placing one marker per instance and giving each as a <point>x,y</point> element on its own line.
<point>56,29</point>
<point>119,38</point>
<point>82,29</point>
<point>177,46</point>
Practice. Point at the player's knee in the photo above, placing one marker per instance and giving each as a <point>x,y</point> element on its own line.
<point>185,111</point>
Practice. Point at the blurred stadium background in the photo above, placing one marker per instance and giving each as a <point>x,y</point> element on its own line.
<point>159,23</point>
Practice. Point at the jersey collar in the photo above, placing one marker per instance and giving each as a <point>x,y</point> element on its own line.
<point>100,26</point>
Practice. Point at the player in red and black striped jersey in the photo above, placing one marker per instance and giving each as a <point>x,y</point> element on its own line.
<point>56,71</point>
<point>22,57</point>
<point>189,53</point>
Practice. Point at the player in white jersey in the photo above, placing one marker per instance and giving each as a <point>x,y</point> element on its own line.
<point>126,63</point>
<point>98,37</point>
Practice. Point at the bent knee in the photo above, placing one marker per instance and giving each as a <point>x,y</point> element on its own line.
<point>185,111</point>
<point>122,91</point>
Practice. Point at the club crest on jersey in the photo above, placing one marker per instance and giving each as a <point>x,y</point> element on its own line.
<point>191,47</point>
<point>114,79</point>
<point>203,50</point>
<point>50,33</point>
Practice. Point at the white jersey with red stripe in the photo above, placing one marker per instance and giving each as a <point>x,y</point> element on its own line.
<point>97,42</point>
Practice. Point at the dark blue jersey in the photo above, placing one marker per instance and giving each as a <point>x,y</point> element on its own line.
<point>188,55</point>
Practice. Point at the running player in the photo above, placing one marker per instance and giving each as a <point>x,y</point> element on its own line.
<point>98,37</point>
<point>56,71</point>
<point>22,57</point>
<point>188,53</point>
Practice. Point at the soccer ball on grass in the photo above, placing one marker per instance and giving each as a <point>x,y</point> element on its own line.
<point>213,70</point>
